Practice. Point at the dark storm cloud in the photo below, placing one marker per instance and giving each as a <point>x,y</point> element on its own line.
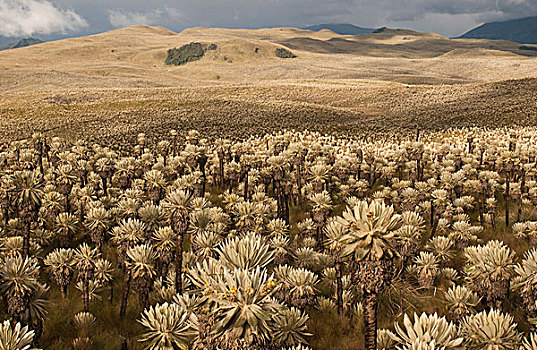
<point>483,9</point>
<point>61,17</point>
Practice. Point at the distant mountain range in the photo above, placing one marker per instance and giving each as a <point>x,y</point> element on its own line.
<point>523,30</point>
<point>341,28</point>
<point>21,43</point>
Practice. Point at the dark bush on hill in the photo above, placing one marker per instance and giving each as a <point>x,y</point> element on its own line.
<point>529,48</point>
<point>284,53</point>
<point>187,53</point>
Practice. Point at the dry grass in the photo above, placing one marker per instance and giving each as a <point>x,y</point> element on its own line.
<point>134,58</point>
<point>344,107</point>
<point>114,85</point>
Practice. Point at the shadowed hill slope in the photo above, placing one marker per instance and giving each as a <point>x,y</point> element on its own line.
<point>522,30</point>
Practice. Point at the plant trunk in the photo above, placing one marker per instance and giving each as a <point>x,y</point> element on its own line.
<point>339,288</point>
<point>203,180</point>
<point>125,298</point>
<point>179,264</point>
<point>86,292</point>
<point>221,172</point>
<point>286,208</point>
<point>245,195</point>
<point>506,198</point>
<point>482,209</point>
<point>143,298</point>
<point>67,204</point>
<point>370,321</point>
<point>26,241</point>
<point>105,187</point>
<point>319,234</point>
<point>124,345</point>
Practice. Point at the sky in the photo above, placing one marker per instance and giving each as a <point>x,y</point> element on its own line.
<point>54,19</point>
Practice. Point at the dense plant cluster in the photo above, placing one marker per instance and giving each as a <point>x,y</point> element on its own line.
<point>187,53</point>
<point>281,52</point>
<point>528,48</point>
<point>219,244</point>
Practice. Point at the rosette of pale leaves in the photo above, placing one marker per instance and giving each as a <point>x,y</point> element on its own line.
<point>60,264</point>
<point>200,220</point>
<point>305,256</point>
<point>66,225</point>
<point>37,305</point>
<point>163,292</point>
<point>280,246</point>
<point>247,252</point>
<point>289,327</point>
<point>93,289</point>
<point>205,243</point>
<point>525,281</point>
<point>130,231</point>
<point>371,229</point>
<point>18,280</point>
<point>333,232</point>
<point>463,233</point>
<point>489,268</point>
<point>277,227</point>
<point>326,305</point>
<point>15,337</point>
<point>244,304</point>
<point>426,267</point>
<point>426,332</point>
<point>141,261</point>
<point>84,322</point>
<point>490,331</point>
<point>298,285</point>
<point>442,247</point>
<point>177,204</point>
<point>168,327</point>
<point>103,273</point>
<point>301,281</point>
<point>28,187</point>
<point>190,303</point>
<point>461,301</point>
<point>85,258</point>
<point>203,274</point>
<point>247,215</point>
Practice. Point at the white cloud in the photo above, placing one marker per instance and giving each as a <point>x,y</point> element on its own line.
<point>29,17</point>
<point>159,16</point>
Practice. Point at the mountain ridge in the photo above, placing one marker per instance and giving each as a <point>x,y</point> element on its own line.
<point>341,28</point>
<point>521,30</point>
<point>21,43</point>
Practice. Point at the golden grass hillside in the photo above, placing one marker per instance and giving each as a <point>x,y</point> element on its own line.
<point>116,84</point>
<point>134,57</point>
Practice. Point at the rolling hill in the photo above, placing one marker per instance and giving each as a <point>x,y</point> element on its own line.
<point>523,30</point>
<point>116,84</point>
<point>134,57</point>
